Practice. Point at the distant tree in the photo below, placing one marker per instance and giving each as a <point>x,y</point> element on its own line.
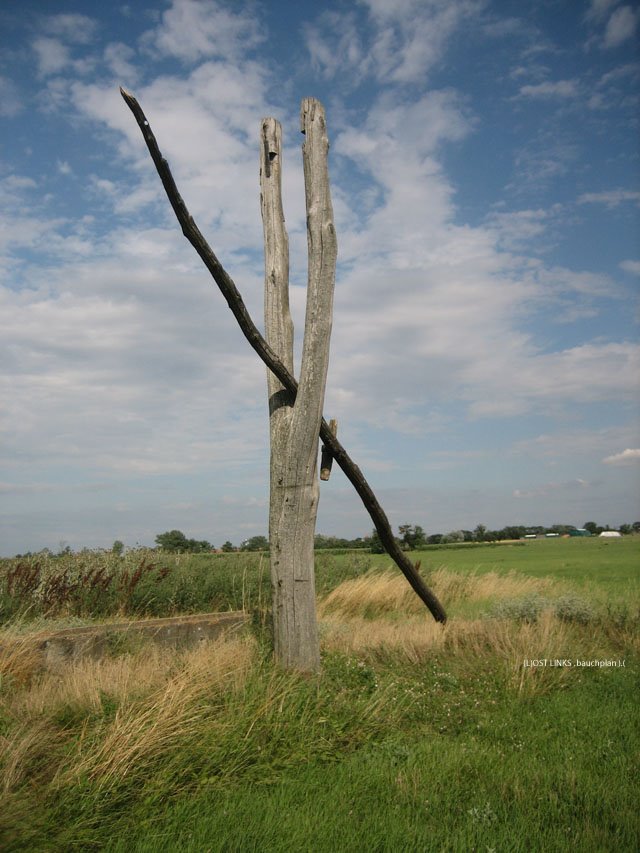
<point>479,532</point>
<point>592,527</point>
<point>375,545</point>
<point>412,536</point>
<point>625,529</point>
<point>198,546</point>
<point>435,539</point>
<point>561,529</point>
<point>514,532</point>
<point>320,541</point>
<point>175,542</point>
<point>255,543</point>
<point>228,546</point>
<point>117,548</point>
<point>454,536</point>
<point>636,526</point>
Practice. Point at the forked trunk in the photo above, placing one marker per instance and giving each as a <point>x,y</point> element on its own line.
<point>295,424</point>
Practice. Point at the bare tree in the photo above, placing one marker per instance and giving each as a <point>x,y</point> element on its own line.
<point>295,423</point>
<point>295,409</point>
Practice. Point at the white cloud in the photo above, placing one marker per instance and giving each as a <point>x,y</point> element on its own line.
<point>584,374</point>
<point>570,443</point>
<point>617,88</point>
<point>124,361</point>
<point>72,28</point>
<point>404,39</point>
<point>550,89</point>
<point>626,457</point>
<point>599,9</point>
<point>193,30</point>
<point>13,185</point>
<point>631,266</point>
<point>620,27</point>
<point>620,73</point>
<point>334,42</point>
<point>214,163</point>
<point>59,34</point>
<point>51,54</point>
<point>543,159</point>
<point>120,58</point>
<point>516,229</point>
<point>124,366</point>
<point>610,198</point>
<point>448,324</point>
<point>10,102</point>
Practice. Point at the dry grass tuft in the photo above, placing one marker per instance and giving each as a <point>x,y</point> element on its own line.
<point>378,614</point>
<point>20,659</point>
<point>85,684</point>
<point>143,728</point>
<point>378,593</point>
<point>27,750</point>
<point>418,639</point>
<point>159,697</point>
<point>453,587</point>
<point>414,637</point>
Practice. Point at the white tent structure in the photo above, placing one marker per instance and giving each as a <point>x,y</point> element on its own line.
<point>610,534</point>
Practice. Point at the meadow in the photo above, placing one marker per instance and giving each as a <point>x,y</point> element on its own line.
<point>514,727</point>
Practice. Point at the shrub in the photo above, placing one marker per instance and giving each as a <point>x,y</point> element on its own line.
<point>526,609</point>
<point>572,608</point>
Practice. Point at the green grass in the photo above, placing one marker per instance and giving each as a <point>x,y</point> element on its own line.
<point>410,739</point>
<point>566,782</point>
<point>607,564</point>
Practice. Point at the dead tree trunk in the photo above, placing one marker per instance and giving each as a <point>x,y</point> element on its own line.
<point>295,423</point>
<point>287,391</point>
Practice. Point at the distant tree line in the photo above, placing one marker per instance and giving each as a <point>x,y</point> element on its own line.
<point>411,537</point>
<point>175,542</point>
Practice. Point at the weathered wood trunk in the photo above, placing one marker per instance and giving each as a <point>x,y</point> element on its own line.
<point>322,250</point>
<point>295,424</point>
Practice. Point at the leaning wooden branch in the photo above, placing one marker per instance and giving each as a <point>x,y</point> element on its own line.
<point>269,357</point>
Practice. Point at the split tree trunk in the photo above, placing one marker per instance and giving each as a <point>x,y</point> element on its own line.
<point>332,446</point>
<point>295,424</point>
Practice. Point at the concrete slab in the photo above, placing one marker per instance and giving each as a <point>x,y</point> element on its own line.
<point>62,647</point>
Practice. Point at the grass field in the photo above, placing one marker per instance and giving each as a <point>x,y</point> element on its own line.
<point>414,737</point>
<point>604,563</point>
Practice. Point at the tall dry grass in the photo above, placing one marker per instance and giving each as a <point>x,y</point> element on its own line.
<point>378,593</point>
<point>158,697</point>
<point>19,659</point>
<point>143,728</point>
<point>379,615</point>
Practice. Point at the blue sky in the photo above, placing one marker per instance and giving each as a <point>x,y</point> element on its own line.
<point>485,177</point>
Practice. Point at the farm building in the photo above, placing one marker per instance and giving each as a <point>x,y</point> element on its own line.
<point>610,534</point>
<point>579,531</point>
